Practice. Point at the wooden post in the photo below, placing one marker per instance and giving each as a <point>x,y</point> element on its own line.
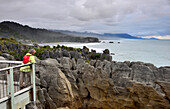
<point>12,89</point>
<point>8,80</point>
<point>33,82</point>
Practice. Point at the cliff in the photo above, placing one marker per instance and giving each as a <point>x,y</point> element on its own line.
<point>102,84</point>
<point>78,83</point>
<point>13,50</point>
<point>24,33</point>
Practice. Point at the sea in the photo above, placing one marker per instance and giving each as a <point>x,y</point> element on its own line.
<point>156,52</point>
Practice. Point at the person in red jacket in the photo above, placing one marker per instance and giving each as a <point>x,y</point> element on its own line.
<point>25,71</point>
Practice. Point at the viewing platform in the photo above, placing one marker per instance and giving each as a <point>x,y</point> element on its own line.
<point>12,95</point>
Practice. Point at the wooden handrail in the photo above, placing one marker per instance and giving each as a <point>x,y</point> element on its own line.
<point>17,66</point>
<point>10,62</point>
<point>10,79</point>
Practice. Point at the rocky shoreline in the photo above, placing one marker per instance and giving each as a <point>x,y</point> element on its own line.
<point>82,82</point>
<point>101,84</point>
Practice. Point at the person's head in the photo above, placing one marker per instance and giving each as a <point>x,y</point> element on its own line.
<point>32,51</point>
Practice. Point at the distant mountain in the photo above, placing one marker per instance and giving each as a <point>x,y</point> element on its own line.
<point>101,36</point>
<point>120,35</point>
<point>24,32</point>
<point>152,38</point>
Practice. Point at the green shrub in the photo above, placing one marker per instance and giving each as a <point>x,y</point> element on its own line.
<point>25,51</point>
<point>8,40</point>
<point>87,61</point>
<point>39,53</point>
<point>79,49</point>
<point>54,47</point>
<point>82,54</point>
<point>12,53</point>
<point>17,56</point>
<point>47,47</point>
<point>58,46</point>
<point>106,51</point>
<point>64,47</point>
<point>92,56</point>
<point>12,38</point>
<point>97,55</point>
<point>70,48</point>
<point>35,48</point>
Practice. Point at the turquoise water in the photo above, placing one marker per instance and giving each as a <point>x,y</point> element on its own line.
<point>149,51</point>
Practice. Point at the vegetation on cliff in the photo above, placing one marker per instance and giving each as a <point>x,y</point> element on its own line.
<point>75,80</point>
<point>18,50</point>
<point>25,33</point>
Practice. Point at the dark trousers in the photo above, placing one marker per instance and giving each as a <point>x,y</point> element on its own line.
<point>25,79</point>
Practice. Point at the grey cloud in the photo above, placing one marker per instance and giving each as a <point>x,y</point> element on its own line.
<point>131,16</point>
<point>99,9</point>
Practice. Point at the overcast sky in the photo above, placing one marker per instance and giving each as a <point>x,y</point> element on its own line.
<point>136,17</point>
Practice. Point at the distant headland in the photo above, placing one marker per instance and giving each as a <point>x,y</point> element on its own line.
<point>25,33</point>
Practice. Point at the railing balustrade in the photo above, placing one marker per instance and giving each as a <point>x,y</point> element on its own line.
<point>10,85</point>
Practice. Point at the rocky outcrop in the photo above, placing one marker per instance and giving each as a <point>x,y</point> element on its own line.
<point>7,56</point>
<point>102,84</point>
<point>67,83</point>
<point>165,86</point>
<point>13,50</point>
<point>2,58</point>
<point>2,65</point>
<point>146,97</point>
<point>80,79</point>
<point>55,89</point>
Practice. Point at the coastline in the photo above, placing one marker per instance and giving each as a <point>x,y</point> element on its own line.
<point>79,78</point>
<point>130,50</point>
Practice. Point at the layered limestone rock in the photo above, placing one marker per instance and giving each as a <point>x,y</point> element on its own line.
<point>2,65</point>
<point>98,84</point>
<point>145,97</point>
<point>165,86</point>
<point>55,89</point>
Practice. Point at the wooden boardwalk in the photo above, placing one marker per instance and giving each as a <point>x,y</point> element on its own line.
<point>4,88</point>
<point>11,96</point>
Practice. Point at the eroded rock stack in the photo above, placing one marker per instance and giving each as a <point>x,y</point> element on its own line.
<point>80,79</point>
<point>101,84</point>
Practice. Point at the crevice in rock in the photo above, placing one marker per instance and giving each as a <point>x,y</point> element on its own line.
<point>129,74</point>
<point>77,81</point>
<point>103,66</point>
<point>110,76</point>
<point>78,72</point>
<point>132,75</point>
<point>163,91</point>
<point>167,99</point>
<point>88,96</point>
<point>159,89</point>
<point>94,64</point>
<point>130,65</point>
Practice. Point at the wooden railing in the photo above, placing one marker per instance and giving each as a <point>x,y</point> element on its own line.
<point>9,83</point>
